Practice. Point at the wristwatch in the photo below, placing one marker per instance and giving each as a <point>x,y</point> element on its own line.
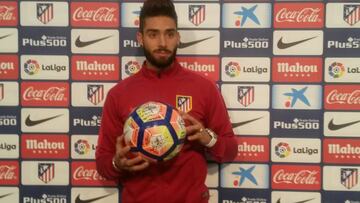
<point>213,137</point>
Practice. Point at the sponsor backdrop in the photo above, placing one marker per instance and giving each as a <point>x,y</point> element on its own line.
<point>289,71</point>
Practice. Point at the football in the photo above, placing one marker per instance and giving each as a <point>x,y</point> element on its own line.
<point>155,130</point>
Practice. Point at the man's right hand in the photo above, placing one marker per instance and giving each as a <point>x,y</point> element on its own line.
<point>122,160</point>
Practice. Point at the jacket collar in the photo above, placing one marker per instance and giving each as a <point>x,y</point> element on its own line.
<point>168,72</point>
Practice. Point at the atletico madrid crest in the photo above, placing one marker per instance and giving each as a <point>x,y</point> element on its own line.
<point>197,14</point>
<point>45,12</point>
<point>184,103</point>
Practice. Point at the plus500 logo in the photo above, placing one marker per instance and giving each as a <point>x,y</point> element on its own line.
<point>7,121</point>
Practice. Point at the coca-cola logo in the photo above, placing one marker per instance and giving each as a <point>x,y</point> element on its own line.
<point>50,94</point>
<point>81,173</point>
<point>336,97</point>
<point>7,172</point>
<point>7,13</point>
<point>101,14</point>
<point>307,177</point>
<point>302,16</point>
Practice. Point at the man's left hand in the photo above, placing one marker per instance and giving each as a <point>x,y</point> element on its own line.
<point>195,130</point>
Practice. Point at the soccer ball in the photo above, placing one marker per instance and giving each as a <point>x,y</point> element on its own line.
<point>156,130</point>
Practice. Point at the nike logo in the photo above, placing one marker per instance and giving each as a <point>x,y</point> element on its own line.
<point>183,45</point>
<point>78,200</point>
<point>303,201</point>
<point>333,126</point>
<point>30,122</point>
<point>2,37</point>
<point>81,44</point>
<point>2,196</point>
<point>283,45</point>
<point>235,125</point>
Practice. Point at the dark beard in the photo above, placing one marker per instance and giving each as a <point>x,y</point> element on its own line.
<point>160,64</point>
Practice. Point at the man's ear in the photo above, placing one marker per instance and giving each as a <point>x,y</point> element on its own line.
<point>139,37</point>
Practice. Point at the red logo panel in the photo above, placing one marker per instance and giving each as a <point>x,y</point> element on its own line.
<point>298,15</point>
<point>297,69</point>
<point>342,151</point>
<point>8,13</point>
<point>345,97</point>
<point>253,149</point>
<point>85,173</point>
<point>9,172</point>
<point>95,68</point>
<point>9,67</point>
<point>45,146</point>
<point>297,177</point>
<point>44,94</point>
<point>205,66</point>
<point>94,14</point>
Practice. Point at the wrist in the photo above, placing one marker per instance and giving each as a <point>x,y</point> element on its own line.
<point>213,138</point>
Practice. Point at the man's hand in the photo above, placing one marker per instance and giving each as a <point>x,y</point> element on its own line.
<point>122,158</point>
<point>195,130</point>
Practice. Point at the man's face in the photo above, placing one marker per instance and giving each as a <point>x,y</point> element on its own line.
<point>159,39</point>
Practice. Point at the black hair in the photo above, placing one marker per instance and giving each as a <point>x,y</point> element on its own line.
<point>153,8</point>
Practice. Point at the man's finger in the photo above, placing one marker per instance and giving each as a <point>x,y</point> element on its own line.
<point>191,129</point>
<point>140,167</point>
<point>190,118</point>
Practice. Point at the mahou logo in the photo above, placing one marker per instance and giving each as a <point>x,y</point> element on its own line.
<point>8,13</point>
<point>298,15</point>
<point>344,97</point>
<point>95,68</point>
<point>342,151</point>
<point>9,67</point>
<point>85,173</point>
<point>295,69</point>
<point>298,177</point>
<point>97,14</point>
<point>45,146</point>
<point>252,149</point>
<point>9,172</point>
<point>45,94</point>
<point>206,66</point>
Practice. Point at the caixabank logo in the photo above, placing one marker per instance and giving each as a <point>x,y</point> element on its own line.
<point>255,176</point>
<point>44,40</point>
<point>9,146</point>
<point>95,14</point>
<point>9,66</point>
<point>342,124</point>
<point>296,123</point>
<point>247,122</point>
<point>344,151</point>
<point>92,68</point>
<point>85,120</point>
<point>342,97</point>
<point>9,13</point>
<point>44,146</point>
<point>296,69</point>
<point>44,194</point>
<point>245,69</point>
<point>342,43</point>
<point>208,67</point>
<point>9,120</point>
<point>254,42</point>
<point>85,174</point>
<point>342,70</point>
<point>45,94</point>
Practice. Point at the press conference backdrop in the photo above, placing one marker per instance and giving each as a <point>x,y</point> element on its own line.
<point>289,72</point>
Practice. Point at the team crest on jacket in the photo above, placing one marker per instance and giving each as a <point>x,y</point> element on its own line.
<point>184,103</point>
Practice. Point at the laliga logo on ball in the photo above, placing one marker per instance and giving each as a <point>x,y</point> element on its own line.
<point>156,130</point>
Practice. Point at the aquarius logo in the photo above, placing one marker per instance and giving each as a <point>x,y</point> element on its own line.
<point>282,150</point>
<point>296,95</point>
<point>132,67</point>
<point>232,69</point>
<point>244,14</point>
<point>31,67</point>
<point>336,70</point>
<point>82,147</point>
<point>244,174</point>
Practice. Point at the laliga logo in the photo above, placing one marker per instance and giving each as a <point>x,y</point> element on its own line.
<point>336,70</point>
<point>82,147</point>
<point>31,67</point>
<point>232,69</point>
<point>132,67</point>
<point>282,150</point>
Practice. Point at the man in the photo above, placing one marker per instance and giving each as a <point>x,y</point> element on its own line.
<point>181,179</point>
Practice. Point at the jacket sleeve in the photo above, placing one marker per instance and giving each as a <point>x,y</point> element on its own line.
<point>218,120</point>
<point>111,127</point>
